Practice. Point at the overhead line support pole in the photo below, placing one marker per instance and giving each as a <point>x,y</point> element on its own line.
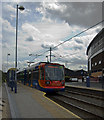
<point>50,54</point>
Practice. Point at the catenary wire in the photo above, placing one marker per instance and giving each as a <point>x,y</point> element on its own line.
<point>70,38</point>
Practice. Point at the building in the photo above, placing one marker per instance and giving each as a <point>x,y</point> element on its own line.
<point>79,74</point>
<point>95,52</point>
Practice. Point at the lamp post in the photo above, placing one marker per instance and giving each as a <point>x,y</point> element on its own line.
<point>7,60</point>
<point>20,8</point>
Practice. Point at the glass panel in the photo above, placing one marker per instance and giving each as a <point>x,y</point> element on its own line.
<point>54,72</point>
<point>42,73</point>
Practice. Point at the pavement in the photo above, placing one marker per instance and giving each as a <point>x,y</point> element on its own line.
<point>93,85</point>
<point>32,103</point>
<point>5,108</point>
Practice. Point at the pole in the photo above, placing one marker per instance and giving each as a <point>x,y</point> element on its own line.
<point>50,54</point>
<point>16,51</point>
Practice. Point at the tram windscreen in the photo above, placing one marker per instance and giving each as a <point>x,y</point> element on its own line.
<point>54,72</point>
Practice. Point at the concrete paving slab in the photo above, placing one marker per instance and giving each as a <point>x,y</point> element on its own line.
<point>6,108</point>
<point>31,103</point>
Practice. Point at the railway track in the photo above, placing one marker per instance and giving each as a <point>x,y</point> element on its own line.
<point>90,92</point>
<point>83,104</point>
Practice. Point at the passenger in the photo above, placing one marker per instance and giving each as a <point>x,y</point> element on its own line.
<point>82,79</point>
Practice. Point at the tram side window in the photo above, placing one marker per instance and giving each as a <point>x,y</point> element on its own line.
<point>13,75</point>
<point>10,75</point>
<point>29,74</point>
<point>36,74</point>
<point>42,73</point>
<point>22,75</point>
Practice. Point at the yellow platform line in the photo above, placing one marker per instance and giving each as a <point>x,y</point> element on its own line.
<point>61,106</point>
<point>56,103</point>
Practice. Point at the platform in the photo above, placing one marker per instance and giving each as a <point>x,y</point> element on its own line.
<point>93,85</point>
<point>32,103</point>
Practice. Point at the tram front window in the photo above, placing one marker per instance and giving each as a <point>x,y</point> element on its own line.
<point>54,72</point>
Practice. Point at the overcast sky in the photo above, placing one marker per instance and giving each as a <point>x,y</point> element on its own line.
<point>46,24</point>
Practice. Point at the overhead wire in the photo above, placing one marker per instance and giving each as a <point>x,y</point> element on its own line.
<point>71,38</point>
<point>78,34</point>
<point>40,55</point>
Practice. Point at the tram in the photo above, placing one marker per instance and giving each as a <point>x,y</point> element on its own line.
<point>47,77</point>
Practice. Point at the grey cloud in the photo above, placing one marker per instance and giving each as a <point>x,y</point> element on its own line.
<point>30,39</point>
<point>48,46</point>
<point>73,61</point>
<point>98,30</point>
<point>77,47</point>
<point>78,41</point>
<point>45,46</point>
<point>78,61</point>
<point>79,13</point>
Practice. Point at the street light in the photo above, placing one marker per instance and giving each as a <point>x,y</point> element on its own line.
<point>7,60</point>
<point>20,8</point>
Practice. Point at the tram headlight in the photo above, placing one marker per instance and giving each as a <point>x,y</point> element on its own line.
<point>47,82</point>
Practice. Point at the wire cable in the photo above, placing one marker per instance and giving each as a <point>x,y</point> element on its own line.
<point>78,34</point>
<point>71,38</point>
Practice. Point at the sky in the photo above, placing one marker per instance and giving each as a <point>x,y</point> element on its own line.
<point>47,24</point>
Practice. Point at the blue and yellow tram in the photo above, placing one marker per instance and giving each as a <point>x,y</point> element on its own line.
<point>47,77</point>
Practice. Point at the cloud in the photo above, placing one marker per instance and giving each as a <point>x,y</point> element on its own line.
<point>77,47</point>
<point>74,13</point>
<point>25,11</point>
<point>28,27</point>
<point>78,40</point>
<point>47,46</point>
<point>46,33</point>
<point>31,30</point>
<point>45,25</point>
<point>30,39</point>
<point>8,32</point>
<point>9,7</point>
<point>7,26</point>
